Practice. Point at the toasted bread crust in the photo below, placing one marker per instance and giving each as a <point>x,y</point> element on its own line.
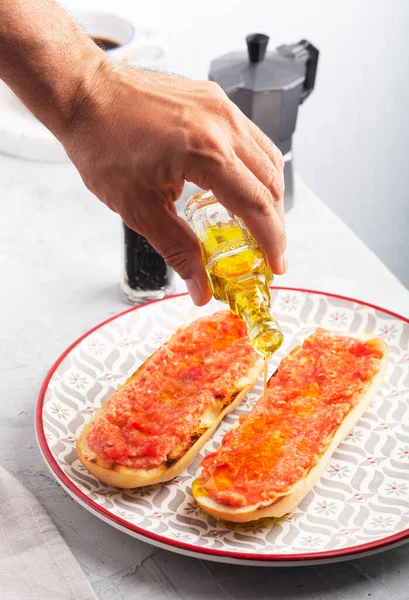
<point>181,457</point>
<point>283,504</point>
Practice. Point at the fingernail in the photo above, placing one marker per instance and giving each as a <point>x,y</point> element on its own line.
<point>285,262</point>
<point>194,290</point>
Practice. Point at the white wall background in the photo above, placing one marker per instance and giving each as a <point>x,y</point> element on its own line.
<point>352,138</point>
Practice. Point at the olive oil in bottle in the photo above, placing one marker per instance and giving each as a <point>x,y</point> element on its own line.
<point>237,269</point>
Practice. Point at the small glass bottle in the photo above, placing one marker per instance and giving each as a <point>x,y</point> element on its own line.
<point>237,269</point>
<point>146,276</point>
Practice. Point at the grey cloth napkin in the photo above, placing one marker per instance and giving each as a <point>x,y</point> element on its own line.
<point>35,562</point>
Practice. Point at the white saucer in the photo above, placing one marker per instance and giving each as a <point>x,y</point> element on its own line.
<point>22,135</point>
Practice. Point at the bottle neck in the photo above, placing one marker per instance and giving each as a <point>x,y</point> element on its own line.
<point>252,304</point>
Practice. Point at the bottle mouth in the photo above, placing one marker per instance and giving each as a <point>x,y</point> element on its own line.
<point>197,202</point>
<point>267,341</point>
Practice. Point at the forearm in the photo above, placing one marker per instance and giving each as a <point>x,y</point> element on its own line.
<point>47,60</point>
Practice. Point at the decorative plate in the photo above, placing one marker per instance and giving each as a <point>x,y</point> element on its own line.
<point>361,503</point>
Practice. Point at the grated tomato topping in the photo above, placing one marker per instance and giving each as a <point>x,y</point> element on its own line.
<point>162,405</point>
<point>280,440</point>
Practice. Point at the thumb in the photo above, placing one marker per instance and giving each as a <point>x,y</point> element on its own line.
<point>172,237</point>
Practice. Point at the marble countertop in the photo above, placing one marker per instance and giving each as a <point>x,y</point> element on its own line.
<point>60,264</point>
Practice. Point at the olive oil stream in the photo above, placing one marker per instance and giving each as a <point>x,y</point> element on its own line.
<point>264,404</point>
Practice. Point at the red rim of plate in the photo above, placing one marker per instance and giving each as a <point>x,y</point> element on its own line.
<point>245,556</point>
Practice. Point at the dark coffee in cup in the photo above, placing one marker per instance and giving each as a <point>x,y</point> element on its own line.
<point>105,43</point>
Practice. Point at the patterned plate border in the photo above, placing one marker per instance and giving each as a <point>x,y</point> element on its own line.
<point>180,547</point>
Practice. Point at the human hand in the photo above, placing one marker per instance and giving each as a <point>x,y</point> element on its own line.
<point>136,136</point>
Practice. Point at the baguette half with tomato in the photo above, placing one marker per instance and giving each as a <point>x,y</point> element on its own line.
<point>268,463</point>
<point>155,424</point>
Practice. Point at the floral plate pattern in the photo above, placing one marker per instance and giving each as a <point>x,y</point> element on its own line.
<point>360,504</point>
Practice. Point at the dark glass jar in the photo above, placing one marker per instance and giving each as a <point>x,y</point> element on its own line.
<point>146,276</point>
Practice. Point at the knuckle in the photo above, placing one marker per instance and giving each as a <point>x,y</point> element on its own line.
<point>208,141</point>
<point>280,187</point>
<point>221,105</point>
<point>275,153</point>
<point>261,138</point>
<point>198,173</point>
<point>279,160</point>
<point>180,260</point>
<point>134,216</point>
<point>261,202</point>
<point>215,91</point>
<point>235,117</point>
<point>270,148</point>
<point>276,185</point>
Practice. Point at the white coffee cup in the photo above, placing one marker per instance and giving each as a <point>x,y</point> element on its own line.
<point>138,47</point>
<point>22,135</point>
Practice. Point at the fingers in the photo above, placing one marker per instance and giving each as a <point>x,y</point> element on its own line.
<point>258,161</point>
<point>272,178</point>
<point>244,169</point>
<point>241,192</point>
<point>257,152</point>
<point>172,237</point>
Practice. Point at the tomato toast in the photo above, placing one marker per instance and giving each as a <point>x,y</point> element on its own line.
<point>154,425</point>
<point>271,460</point>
